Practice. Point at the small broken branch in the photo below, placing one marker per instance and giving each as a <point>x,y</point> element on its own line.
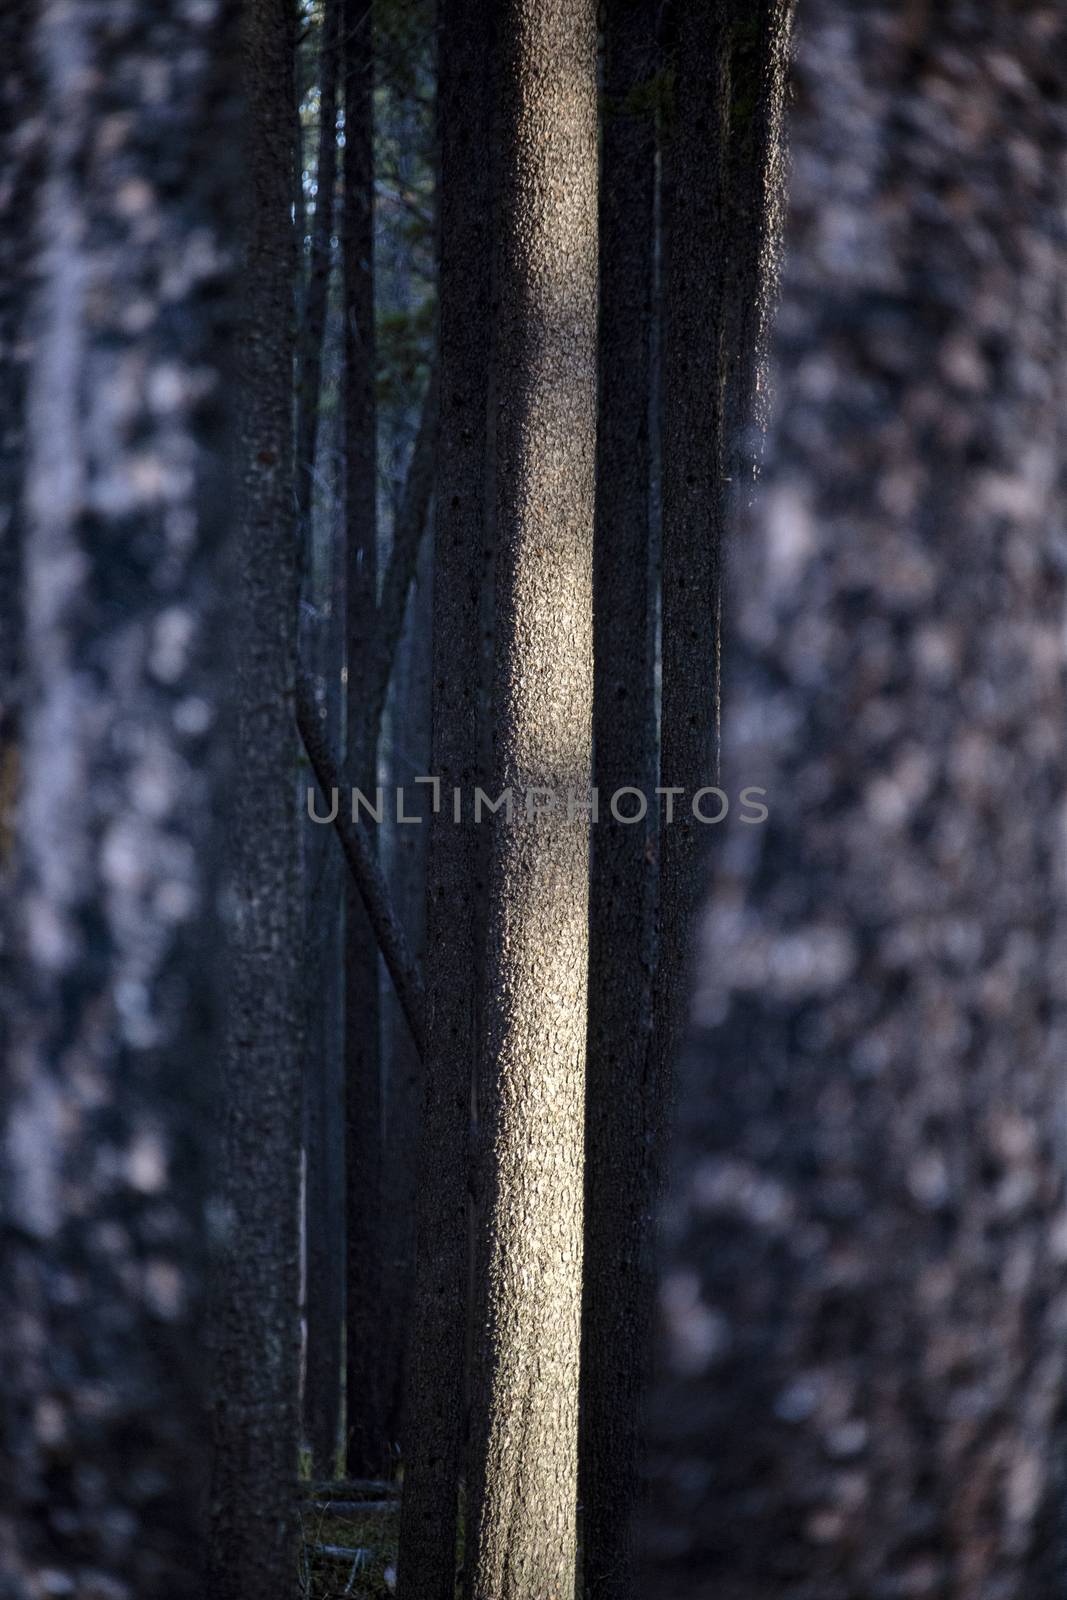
<point>367,874</point>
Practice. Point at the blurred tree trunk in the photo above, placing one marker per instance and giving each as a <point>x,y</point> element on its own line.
<point>864,1301</point>
<point>257,1335</point>
<point>367,1445</point>
<point>521,1536</point>
<point>114,517</point>
<point>621,1115</point>
<point>434,1406</point>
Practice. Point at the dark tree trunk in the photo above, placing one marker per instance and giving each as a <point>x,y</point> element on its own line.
<point>694,500</point>
<point>410,749</point>
<point>521,1531</point>
<point>116,500</point>
<point>257,1334</point>
<point>324,1181</point>
<point>864,1297</point>
<point>321,648</point>
<point>434,1410</point>
<point>313,322</point>
<point>367,1446</point>
<point>621,1114</point>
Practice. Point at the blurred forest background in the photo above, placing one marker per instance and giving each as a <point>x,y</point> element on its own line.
<point>538,395</point>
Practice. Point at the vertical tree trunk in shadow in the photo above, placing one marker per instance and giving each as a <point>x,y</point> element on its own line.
<point>325,877</point>
<point>410,741</point>
<point>434,1408</point>
<point>321,649</point>
<point>621,1116</point>
<point>366,1444</point>
<point>257,1355</point>
<point>521,1534</point>
<point>695,249</point>
<point>113,536</point>
<point>863,1391</point>
<point>316,297</point>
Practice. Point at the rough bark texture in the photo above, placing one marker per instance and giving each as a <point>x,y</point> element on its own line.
<point>434,1409</point>
<point>366,1446</point>
<point>863,1393</point>
<point>313,321</point>
<point>522,1529</point>
<point>104,1442</point>
<point>755,184</point>
<point>618,1287</point>
<point>257,1350</point>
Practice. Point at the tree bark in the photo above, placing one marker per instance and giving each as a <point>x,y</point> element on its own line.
<point>367,1450</point>
<point>695,246</point>
<point>621,1114</point>
<point>115,520</point>
<point>324,1180</point>
<point>313,320</point>
<point>863,1390</point>
<point>434,1410</point>
<point>524,1489</point>
<point>410,757</point>
<point>257,1352</point>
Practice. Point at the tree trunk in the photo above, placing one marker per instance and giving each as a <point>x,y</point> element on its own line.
<point>321,652</point>
<point>367,1447</point>
<point>524,1488</point>
<point>257,1335</point>
<point>864,1299</point>
<point>115,498</point>
<point>621,1114</point>
<point>434,1410</point>
<point>325,878</point>
<point>313,321</point>
<point>410,758</point>
<point>694,502</point>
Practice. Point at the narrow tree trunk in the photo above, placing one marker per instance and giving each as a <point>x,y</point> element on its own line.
<point>621,1114</point>
<point>367,1447</point>
<point>434,1409</point>
<point>864,1385</point>
<point>321,649</point>
<point>313,321</point>
<point>525,1429</point>
<point>257,1336</point>
<point>694,498</point>
<point>114,494</point>
<point>325,879</point>
<point>410,749</point>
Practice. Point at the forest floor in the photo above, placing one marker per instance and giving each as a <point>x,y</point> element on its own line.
<point>349,1536</point>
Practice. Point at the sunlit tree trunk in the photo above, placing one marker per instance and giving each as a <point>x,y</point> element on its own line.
<point>521,1535</point>
<point>115,517</point>
<point>257,1351</point>
<point>622,1115</point>
<point>864,1297</point>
